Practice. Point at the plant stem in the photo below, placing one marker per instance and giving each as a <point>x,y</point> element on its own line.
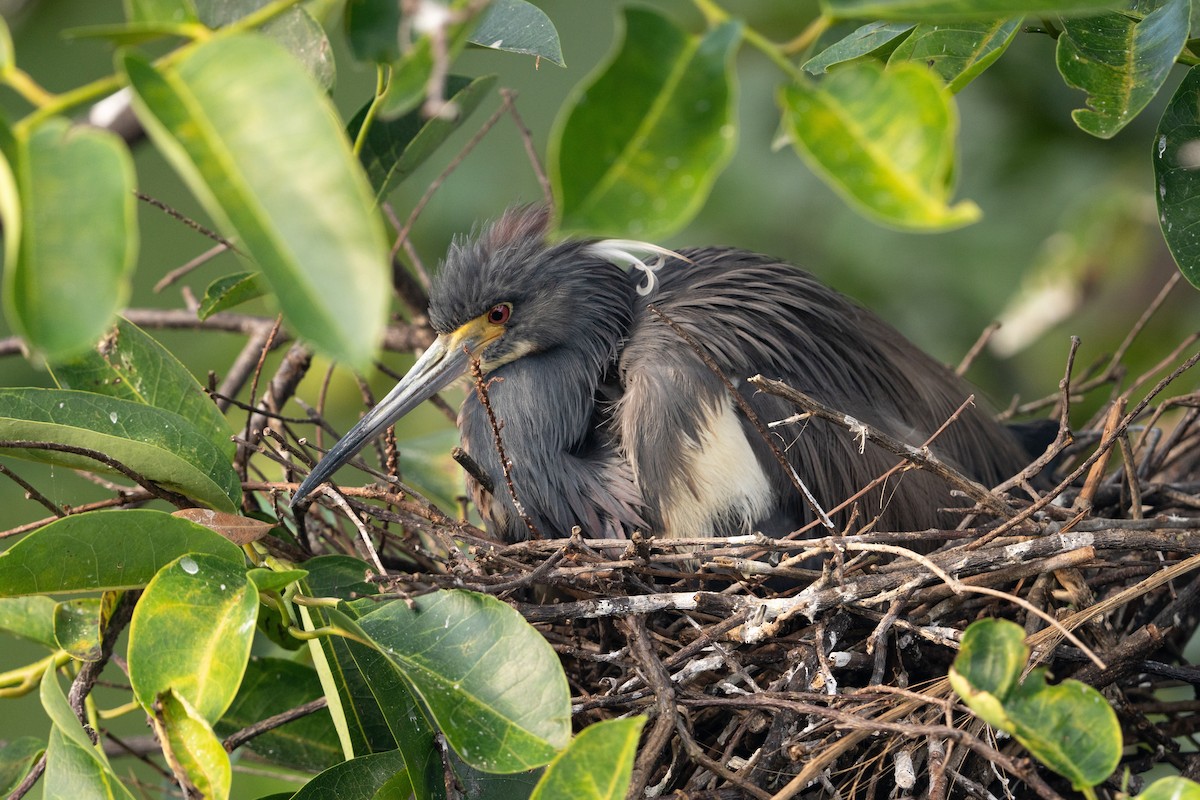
<point>382,73</point>
<point>28,88</point>
<point>715,15</point>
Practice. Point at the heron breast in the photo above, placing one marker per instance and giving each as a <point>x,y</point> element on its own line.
<point>724,489</point>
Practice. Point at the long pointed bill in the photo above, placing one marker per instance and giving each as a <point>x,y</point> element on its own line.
<point>446,359</point>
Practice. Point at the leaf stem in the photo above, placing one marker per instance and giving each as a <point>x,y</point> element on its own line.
<point>807,36</point>
<point>715,15</point>
<point>21,82</point>
<point>382,75</point>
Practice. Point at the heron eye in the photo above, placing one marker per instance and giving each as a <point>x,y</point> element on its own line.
<point>499,314</point>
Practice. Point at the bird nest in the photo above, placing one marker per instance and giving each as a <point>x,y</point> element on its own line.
<point>764,677</point>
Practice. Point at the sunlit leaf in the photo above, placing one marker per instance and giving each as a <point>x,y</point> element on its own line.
<point>295,201</point>
<point>872,38</point>
<point>596,766</point>
<point>190,743</point>
<point>130,364</point>
<point>78,242</point>
<point>191,632</point>
<point>105,550</point>
<point>158,445</point>
<point>77,627</point>
<point>884,140</point>
<point>640,142</point>
<point>518,26</point>
<point>1173,788</point>
<point>1120,62</point>
<point>957,53</point>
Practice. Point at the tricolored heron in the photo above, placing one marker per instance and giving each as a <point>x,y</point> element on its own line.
<point>611,421</point>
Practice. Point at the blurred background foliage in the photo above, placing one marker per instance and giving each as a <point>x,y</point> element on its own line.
<point>1058,206</point>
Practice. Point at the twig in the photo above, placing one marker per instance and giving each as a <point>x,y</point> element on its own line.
<point>481,389</point>
<point>32,493</point>
<point>235,740</point>
<point>163,494</point>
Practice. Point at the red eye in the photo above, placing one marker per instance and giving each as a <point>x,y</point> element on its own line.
<point>499,314</point>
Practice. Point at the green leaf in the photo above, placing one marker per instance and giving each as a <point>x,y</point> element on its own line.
<point>958,53</point>
<point>597,764</point>
<point>1177,173</point>
<point>8,57</point>
<point>17,757</point>
<point>269,580</point>
<point>870,39</point>
<point>373,30</point>
<point>295,200</point>
<point>343,577</point>
<point>74,766</point>
<point>78,243</point>
<point>884,140</point>
<point>230,291</point>
<point>30,618</point>
<point>174,11</point>
<point>302,36</point>
<point>105,551</point>
<point>190,743</point>
<point>491,682</point>
<point>191,632</point>
<point>130,364</point>
<point>408,83</point>
<point>641,141</point>
<point>518,26</point>
<point>1069,727</point>
<point>938,11</point>
<point>357,779</point>
<point>393,149</point>
<point>158,445</point>
<point>1121,63</point>
<point>272,686</point>
<point>77,627</point>
<point>1174,788</point>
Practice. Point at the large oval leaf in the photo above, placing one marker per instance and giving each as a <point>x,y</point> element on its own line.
<point>884,140</point>
<point>260,146</point>
<point>493,685</point>
<point>640,143</point>
<point>156,444</point>
<point>1177,172</point>
<point>1120,62</point>
<point>78,242</point>
<point>597,765</point>
<point>105,550</point>
<point>130,364</point>
<point>191,632</point>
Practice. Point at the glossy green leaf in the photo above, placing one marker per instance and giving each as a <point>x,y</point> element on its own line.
<point>357,779</point>
<point>301,35</point>
<point>158,445</point>
<point>295,200</point>
<point>957,53</point>
<point>492,683</point>
<point>74,766</point>
<point>30,617</point>
<point>884,140</point>
<point>597,764</point>
<point>269,580</point>
<point>393,149</point>
<point>518,26</point>
<point>191,632</point>
<point>871,39</point>
<point>1173,788</point>
<point>105,550</point>
<point>78,243</point>
<point>343,577</point>
<point>130,364</point>
<point>948,10</point>
<point>1177,173</point>
<point>1069,727</point>
<point>77,627</point>
<point>17,757</point>
<point>174,11</point>
<point>272,686</point>
<point>190,743</point>
<point>373,30</point>
<point>230,291</point>
<point>641,141</point>
<point>1121,63</point>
